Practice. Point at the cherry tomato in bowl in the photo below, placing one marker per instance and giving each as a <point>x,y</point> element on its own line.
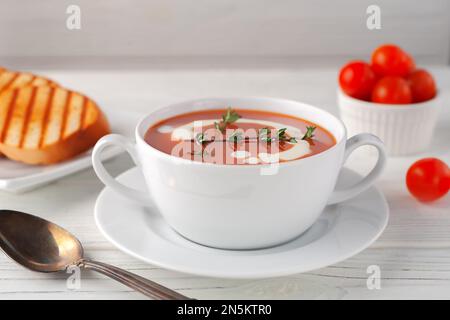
<point>357,80</point>
<point>428,179</point>
<point>392,90</point>
<point>391,60</point>
<point>422,85</point>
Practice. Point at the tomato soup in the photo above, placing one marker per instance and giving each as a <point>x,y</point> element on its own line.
<point>239,137</point>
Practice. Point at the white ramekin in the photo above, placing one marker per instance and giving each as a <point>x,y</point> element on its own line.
<point>404,129</point>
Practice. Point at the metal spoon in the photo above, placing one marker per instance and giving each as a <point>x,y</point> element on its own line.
<point>40,245</point>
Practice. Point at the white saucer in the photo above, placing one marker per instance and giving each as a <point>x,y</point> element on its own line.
<point>342,231</point>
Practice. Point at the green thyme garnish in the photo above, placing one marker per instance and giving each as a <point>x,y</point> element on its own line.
<point>309,133</point>
<point>230,116</point>
<point>265,135</point>
<point>281,132</point>
<point>283,137</point>
<point>200,138</point>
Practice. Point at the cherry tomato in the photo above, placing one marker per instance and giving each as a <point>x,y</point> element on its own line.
<point>422,85</point>
<point>357,79</point>
<point>393,90</point>
<point>391,60</point>
<point>428,179</point>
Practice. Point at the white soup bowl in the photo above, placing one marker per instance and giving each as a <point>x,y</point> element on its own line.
<point>240,206</point>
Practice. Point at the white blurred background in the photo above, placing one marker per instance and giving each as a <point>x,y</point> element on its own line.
<point>218,33</point>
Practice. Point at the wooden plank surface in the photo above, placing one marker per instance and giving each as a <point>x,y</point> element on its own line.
<point>413,253</point>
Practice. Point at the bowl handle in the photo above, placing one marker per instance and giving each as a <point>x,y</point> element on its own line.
<point>350,146</point>
<point>106,178</point>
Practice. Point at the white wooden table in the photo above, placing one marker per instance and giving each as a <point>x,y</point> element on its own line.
<point>413,253</point>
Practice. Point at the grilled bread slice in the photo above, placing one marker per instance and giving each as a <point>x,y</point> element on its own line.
<point>12,80</point>
<point>45,125</point>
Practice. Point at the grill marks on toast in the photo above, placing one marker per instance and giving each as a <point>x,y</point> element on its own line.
<point>55,119</point>
<point>83,113</point>
<point>7,107</point>
<point>42,123</point>
<point>35,121</point>
<point>74,116</point>
<point>46,114</point>
<point>65,114</point>
<point>39,81</point>
<point>13,80</point>
<point>16,116</point>
<point>90,114</point>
<point>6,79</point>
<point>35,117</point>
<point>21,80</point>
<point>26,121</point>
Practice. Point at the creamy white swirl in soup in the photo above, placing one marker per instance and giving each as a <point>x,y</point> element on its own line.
<point>238,136</point>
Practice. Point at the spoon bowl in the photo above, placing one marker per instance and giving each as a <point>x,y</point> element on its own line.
<point>37,244</point>
<point>43,246</point>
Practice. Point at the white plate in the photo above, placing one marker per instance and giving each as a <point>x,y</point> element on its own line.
<point>341,231</point>
<point>18,177</point>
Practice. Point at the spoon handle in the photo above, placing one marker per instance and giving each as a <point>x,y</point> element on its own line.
<point>147,287</point>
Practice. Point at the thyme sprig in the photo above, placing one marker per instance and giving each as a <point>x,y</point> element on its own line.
<point>230,116</point>
<point>309,133</point>
<point>265,135</point>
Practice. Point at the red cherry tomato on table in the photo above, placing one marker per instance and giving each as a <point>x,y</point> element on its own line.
<point>393,90</point>
<point>391,60</point>
<point>357,80</point>
<point>422,85</point>
<point>428,179</point>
